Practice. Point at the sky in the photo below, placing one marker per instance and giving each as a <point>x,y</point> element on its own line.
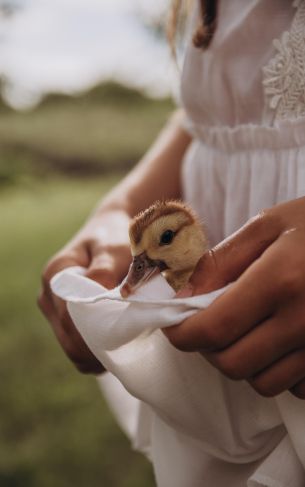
<point>69,45</point>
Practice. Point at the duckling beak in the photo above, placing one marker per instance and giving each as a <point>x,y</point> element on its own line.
<point>141,269</point>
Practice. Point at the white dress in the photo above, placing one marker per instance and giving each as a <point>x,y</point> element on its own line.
<point>245,104</point>
<point>245,100</point>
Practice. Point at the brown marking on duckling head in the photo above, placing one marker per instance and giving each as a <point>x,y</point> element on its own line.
<point>155,211</point>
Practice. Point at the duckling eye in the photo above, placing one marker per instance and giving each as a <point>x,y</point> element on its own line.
<point>167,237</point>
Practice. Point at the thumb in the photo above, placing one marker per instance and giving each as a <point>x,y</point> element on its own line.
<point>109,268</point>
<point>230,258</point>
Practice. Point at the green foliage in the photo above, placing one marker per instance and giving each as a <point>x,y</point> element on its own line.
<point>107,93</point>
<point>55,429</point>
<point>104,130</point>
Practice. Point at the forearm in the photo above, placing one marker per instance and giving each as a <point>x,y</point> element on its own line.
<point>102,245</point>
<point>156,176</point>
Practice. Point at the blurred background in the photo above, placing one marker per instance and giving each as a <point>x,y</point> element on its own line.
<point>85,87</point>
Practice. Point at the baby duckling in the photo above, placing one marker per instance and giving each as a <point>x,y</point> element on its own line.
<point>167,237</point>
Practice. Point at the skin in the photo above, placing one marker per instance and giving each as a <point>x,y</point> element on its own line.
<point>102,244</point>
<point>255,331</point>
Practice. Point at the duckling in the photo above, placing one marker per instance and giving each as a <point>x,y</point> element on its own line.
<point>167,237</point>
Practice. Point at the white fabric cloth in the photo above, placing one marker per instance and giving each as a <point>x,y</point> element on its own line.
<point>244,107</point>
<point>193,423</point>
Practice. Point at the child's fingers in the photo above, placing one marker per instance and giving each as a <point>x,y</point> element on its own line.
<point>55,310</point>
<point>228,260</point>
<point>68,336</point>
<point>298,389</point>
<point>287,373</point>
<point>109,268</point>
<point>258,349</point>
<point>102,270</point>
<point>248,302</point>
<point>186,292</point>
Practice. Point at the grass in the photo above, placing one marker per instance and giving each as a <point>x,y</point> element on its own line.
<point>55,428</point>
<point>106,129</point>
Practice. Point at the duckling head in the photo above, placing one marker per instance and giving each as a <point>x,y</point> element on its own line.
<point>167,238</point>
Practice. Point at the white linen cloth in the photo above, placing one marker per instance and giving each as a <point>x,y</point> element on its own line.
<point>190,414</point>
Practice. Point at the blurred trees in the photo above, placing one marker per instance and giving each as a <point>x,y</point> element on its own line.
<point>8,7</point>
<point>106,129</point>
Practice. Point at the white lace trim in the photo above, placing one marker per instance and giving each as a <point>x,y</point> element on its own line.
<point>284,75</point>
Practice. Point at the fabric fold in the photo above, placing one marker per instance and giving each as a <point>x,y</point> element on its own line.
<point>226,420</point>
<point>150,308</point>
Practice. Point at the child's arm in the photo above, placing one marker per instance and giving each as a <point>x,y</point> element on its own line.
<point>102,245</point>
<point>256,330</point>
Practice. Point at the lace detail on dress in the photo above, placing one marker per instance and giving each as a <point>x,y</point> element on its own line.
<point>284,75</point>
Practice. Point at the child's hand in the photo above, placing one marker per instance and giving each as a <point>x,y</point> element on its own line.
<point>256,330</point>
<point>102,246</point>
<point>106,256</point>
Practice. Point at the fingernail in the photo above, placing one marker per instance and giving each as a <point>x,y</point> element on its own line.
<point>186,292</point>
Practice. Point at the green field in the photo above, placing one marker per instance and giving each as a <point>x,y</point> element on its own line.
<point>55,428</point>
<point>104,130</point>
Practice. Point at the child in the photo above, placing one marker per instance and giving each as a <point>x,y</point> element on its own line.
<point>240,150</point>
